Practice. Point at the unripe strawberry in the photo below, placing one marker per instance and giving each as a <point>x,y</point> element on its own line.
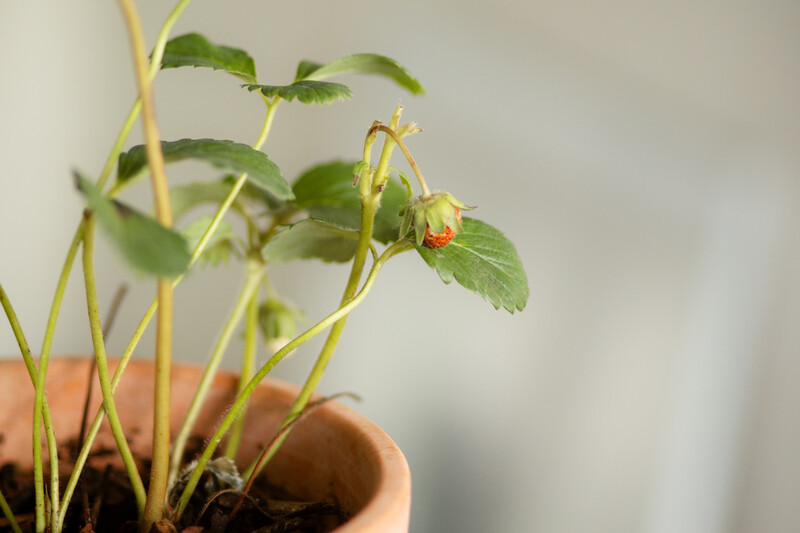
<point>278,321</point>
<point>437,240</point>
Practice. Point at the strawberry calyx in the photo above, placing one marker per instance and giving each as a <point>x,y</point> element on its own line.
<point>436,218</point>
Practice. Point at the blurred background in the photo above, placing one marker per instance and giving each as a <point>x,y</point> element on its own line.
<point>642,156</point>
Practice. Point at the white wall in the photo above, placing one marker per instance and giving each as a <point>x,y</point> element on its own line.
<point>641,155</point>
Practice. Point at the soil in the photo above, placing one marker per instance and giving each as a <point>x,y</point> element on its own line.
<point>104,503</point>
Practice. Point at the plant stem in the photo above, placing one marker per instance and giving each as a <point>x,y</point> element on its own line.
<point>196,253</point>
<point>242,399</point>
<point>48,422</point>
<point>216,357</point>
<point>157,489</point>
<point>163,35</point>
<point>255,273</point>
<point>393,134</point>
<point>370,192</point>
<point>249,354</point>
<point>147,317</point>
<point>112,315</point>
<point>158,53</point>
<point>9,514</point>
<point>102,366</point>
<point>44,357</point>
<point>266,127</point>
<point>310,408</point>
<point>56,305</point>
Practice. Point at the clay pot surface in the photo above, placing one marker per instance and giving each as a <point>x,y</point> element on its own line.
<point>335,453</point>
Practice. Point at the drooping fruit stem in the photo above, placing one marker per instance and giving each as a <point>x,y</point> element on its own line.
<point>397,139</point>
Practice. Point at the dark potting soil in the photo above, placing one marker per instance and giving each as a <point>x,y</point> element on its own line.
<point>104,502</point>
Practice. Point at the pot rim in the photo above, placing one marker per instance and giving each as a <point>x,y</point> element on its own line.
<point>388,507</point>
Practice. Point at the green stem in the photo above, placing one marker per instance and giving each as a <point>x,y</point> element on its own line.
<point>197,252</point>
<point>246,371</point>
<point>159,467</point>
<point>48,421</point>
<point>148,316</point>
<point>127,126</point>
<point>83,455</point>
<point>272,108</point>
<point>310,408</point>
<point>216,357</point>
<point>255,273</point>
<point>163,35</point>
<point>242,399</point>
<point>130,120</point>
<point>393,134</point>
<point>370,192</point>
<point>9,514</point>
<point>56,305</point>
<point>102,366</point>
<point>39,385</point>
<point>237,186</point>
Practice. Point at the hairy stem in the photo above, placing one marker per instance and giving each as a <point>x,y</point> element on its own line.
<point>145,321</point>
<point>255,273</point>
<point>243,398</point>
<point>102,366</point>
<point>246,371</point>
<point>39,384</point>
<point>48,422</point>
<point>112,315</point>
<point>157,489</point>
<point>393,134</point>
<point>370,193</point>
<point>158,52</point>
<point>213,364</point>
<point>310,408</point>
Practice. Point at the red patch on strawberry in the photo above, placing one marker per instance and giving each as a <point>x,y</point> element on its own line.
<point>437,240</point>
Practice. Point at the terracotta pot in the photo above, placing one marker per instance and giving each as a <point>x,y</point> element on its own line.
<point>335,453</point>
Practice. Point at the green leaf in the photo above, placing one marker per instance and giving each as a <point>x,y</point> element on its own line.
<point>144,243</point>
<point>406,182</point>
<point>186,197</point>
<point>194,50</point>
<point>221,245</point>
<point>361,64</point>
<point>305,68</point>
<point>227,155</point>
<point>326,191</point>
<point>312,239</point>
<point>484,261</point>
<point>308,92</point>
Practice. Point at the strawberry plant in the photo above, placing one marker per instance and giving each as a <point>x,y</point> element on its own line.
<point>363,212</point>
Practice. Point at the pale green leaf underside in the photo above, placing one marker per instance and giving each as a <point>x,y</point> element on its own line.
<point>308,92</point>
<point>144,243</point>
<point>221,244</point>
<point>312,239</point>
<point>194,50</point>
<point>326,191</point>
<point>484,261</point>
<point>226,155</point>
<point>361,64</point>
<point>186,197</point>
